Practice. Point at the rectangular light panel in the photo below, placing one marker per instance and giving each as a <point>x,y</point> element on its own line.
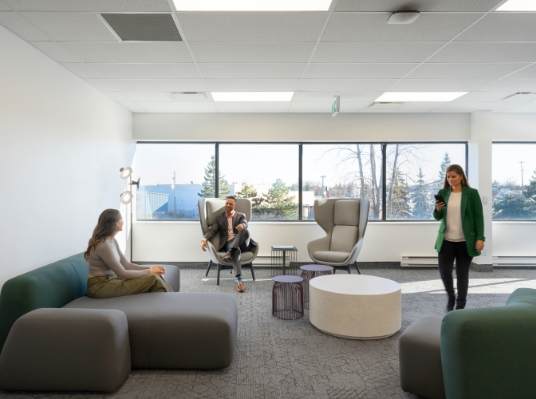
<point>252,5</point>
<point>518,5</point>
<point>419,96</point>
<point>252,96</point>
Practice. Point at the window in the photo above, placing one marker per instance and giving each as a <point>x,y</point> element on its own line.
<point>514,181</point>
<point>414,173</point>
<point>341,170</point>
<point>173,177</point>
<point>266,173</point>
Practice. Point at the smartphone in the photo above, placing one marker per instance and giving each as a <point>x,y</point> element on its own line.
<point>439,198</point>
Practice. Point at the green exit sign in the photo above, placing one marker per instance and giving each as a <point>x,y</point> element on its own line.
<point>336,105</point>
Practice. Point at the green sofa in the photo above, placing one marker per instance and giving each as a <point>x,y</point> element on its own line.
<point>488,353</point>
<point>50,286</point>
<point>171,330</point>
<point>484,353</point>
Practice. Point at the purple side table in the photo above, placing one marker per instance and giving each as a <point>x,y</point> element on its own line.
<point>287,297</point>
<point>311,271</point>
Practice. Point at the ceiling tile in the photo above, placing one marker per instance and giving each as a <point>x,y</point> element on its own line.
<point>528,73</point>
<point>71,26</point>
<point>251,84</point>
<point>257,27</point>
<point>162,97</point>
<point>337,86</point>
<point>373,27</point>
<point>161,106</point>
<point>421,5</point>
<point>93,5</point>
<point>256,53</point>
<point>133,71</point>
<point>379,52</point>
<point>252,70</point>
<point>462,52</point>
<point>116,52</point>
<point>4,6</point>
<point>512,85</point>
<point>498,27</point>
<point>253,107</point>
<point>437,85</point>
<point>464,71</point>
<point>148,85</point>
<point>21,26</point>
<point>358,70</point>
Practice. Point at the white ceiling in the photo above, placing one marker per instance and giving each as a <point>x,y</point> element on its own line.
<point>350,50</point>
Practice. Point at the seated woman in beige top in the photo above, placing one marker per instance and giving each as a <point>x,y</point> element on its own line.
<point>110,273</point>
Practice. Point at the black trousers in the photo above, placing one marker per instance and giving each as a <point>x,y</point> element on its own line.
<point>451,251</point>
<point>236,246</point>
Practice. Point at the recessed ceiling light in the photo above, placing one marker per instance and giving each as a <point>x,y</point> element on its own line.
<point>239,96</point>
<point>249,5</point>
<point>419,96</point>
<point>518,5</point>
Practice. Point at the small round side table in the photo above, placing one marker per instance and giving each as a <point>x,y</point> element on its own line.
<point>310,271</point>
<point>287,297</point>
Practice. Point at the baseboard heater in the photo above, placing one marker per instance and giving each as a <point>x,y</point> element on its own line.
<point>418,261</point>
<point>514,261</point>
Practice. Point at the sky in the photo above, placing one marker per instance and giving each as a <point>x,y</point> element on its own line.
<point>506,162</point>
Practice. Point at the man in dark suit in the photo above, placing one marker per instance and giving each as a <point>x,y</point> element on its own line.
<point>232,228</point>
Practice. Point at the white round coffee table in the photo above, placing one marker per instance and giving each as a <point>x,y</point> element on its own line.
<point>355,306</point>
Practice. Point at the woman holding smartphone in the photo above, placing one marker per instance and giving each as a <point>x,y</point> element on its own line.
<point>461,232</point>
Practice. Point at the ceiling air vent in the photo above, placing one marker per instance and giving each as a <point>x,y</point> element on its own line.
<point>384,103</point>
<point>188,96</point>
<point>143,27</point>
<point>520,94</point>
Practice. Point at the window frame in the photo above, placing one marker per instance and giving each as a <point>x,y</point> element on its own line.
<point>299,148</point>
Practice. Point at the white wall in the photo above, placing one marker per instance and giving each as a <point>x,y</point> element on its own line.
<point>296,127</point>
<point>179,241</point>
<point>62,144</point>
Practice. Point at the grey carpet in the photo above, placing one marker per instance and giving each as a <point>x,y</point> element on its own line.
<point>291,359</point>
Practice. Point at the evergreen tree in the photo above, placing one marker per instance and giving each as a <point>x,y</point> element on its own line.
<point>530,191</point>
<point>400,208</point>
<point>445,163</point>
<point>207,188</point>
<point>277,201</point>
<point>422,206</point>
<point>512,205</point>
<point>530,194</point>
<point>247,191</point>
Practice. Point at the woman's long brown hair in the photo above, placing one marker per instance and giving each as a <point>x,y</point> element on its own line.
<point>105,228</point>
<point>459,171</point>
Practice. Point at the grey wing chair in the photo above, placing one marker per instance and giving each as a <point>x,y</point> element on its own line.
<point>344,220</point>
<point>209,210</point>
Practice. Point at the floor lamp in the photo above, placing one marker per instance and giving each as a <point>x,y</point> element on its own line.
<point>126,198</point>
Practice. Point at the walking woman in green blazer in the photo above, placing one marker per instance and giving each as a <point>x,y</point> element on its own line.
<point>461,232</point>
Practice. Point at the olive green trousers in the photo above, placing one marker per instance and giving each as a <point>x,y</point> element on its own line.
<point>109,287</point>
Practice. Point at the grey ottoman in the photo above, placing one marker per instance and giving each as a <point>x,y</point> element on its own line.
<point>420,359</point>
<point>175,330</point>
<point>66,350</point>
